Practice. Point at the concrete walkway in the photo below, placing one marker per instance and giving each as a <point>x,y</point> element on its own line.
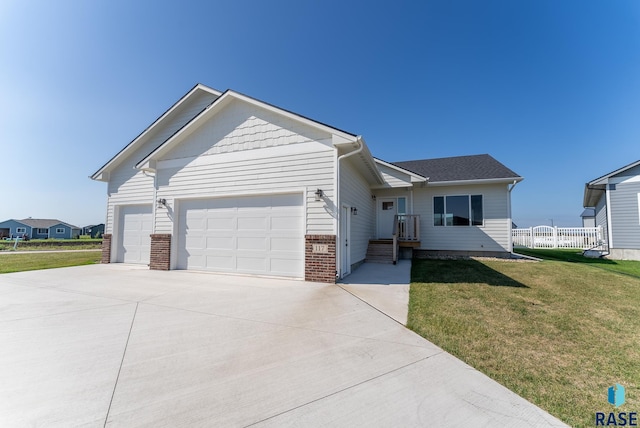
<point>383,286</point>
<point>120,345</point>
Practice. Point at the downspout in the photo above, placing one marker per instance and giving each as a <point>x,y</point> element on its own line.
<point>339,204</point>
<point>509,190</point>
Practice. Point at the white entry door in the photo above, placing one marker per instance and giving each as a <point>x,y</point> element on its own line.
<point>261,235</point>
<point>387,209</point>
<point>134,234</point>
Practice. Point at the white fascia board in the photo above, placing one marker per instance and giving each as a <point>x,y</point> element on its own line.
<point>415,178</point>
<point>605,178</point>
<point>124,153</point>
<point>472,182</point>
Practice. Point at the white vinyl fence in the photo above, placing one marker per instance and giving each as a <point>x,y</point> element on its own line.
<point>558,237</point>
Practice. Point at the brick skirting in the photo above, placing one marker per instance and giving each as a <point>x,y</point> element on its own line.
<point>106,248</point>
<point>320,265</point>
<point>160,251</point>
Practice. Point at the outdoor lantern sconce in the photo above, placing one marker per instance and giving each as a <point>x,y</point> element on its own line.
<point>319,194</point>
<point>354,211</point>
<point>161,203</point>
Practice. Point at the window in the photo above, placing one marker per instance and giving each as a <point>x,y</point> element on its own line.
<point>42,231</point>
<point>387,206</point>
<point>402,206</point>
<point>59,229</point>
<point>21,230</point>
<point>459,210</point>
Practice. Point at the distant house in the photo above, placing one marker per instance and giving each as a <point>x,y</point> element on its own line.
<point>37,228</point>
<point>615,199</point>
<point>94,230</point>
<point>588,217</point>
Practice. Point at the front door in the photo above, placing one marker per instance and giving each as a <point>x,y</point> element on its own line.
<point>387,209</point>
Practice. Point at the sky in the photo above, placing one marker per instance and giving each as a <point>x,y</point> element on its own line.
<point>549,88</point>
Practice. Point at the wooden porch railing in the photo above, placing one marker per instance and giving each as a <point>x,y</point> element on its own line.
<point>406,228</point>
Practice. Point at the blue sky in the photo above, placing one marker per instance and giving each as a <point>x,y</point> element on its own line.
<point>549,88</point>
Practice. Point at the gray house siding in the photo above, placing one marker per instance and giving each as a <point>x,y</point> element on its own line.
<point>625,217</point>
<point>601,216</point>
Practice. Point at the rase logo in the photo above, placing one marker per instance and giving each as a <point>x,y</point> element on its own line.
<point>616,397</point>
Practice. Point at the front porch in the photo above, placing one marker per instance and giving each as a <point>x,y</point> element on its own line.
<point>405,237</point>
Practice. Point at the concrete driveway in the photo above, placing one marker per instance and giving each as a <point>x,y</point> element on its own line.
<point>120,345</point>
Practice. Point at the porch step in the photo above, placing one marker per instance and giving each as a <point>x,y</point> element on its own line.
<point>380,251</point>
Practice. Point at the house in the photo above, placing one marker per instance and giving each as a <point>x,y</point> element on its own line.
<point>36,228</point>
<point>94,230</point>
<point>588,217</point>
<point>227,183</point>
<point>615,198</point>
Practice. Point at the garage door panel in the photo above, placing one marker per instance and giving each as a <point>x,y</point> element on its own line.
<point>219,222</point>
<point>219,263</point>
<point>253,222</point>
<point>219,242</point>
<point>258,235</point>
<point>251,243</point>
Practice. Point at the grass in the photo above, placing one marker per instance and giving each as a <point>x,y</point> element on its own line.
<point>628,267</point>
<point>557,333</point>
<point>52,244</point>
<point>23,262</point>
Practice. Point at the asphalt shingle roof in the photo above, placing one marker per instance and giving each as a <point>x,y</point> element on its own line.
<point>459,168</point>
<point>44,223</point>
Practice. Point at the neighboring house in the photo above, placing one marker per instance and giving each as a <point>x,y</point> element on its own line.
<point>227,183</point>
<point>34,228</point>
<point>615,198</point>
<point>588,217</point>
<point>94,230</point>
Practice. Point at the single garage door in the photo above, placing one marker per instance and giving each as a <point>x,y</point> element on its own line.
<point>260,235</point>
<point>134,240</point>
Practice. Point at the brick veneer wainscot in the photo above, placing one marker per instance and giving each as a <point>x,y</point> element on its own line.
<point>320,267</point>
<point>106,248</point>
<point>160,251</point>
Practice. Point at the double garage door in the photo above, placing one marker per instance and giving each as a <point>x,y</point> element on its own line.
<point>254,235</point>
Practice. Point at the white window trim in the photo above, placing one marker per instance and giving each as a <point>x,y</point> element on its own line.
<point>59,230</point>
<point>468,195</point>
<point>21,230</point>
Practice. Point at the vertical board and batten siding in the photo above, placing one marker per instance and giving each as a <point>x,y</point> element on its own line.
<point>247,150</point>
<point>130,186</point>
<point>355,192</point>
<point>493,236</point>
<point>625,215</point>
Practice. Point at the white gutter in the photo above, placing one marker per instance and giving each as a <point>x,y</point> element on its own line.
<point>339,203</point>
<point>509,190</point>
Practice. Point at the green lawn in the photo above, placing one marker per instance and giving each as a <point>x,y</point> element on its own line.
<point>575,256</point>
<point>52,244</point>
<point>557,333</point>
<point>23,262</point>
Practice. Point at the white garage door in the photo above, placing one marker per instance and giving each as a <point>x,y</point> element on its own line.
<point>134,241</point>
<point>256,235</point>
